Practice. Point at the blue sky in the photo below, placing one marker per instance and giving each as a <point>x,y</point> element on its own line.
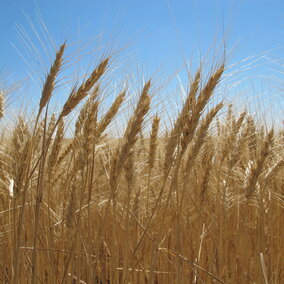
<point>158,35</point>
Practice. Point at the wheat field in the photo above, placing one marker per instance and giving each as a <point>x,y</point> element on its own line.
<point>201,202</point>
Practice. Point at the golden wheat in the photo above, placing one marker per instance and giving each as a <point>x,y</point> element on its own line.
<point>198,204</point>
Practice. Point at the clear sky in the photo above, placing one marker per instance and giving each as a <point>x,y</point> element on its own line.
<point>156,34</point>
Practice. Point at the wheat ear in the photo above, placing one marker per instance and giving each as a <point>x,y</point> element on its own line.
<point>153,142</point>
<point>2,104</point>
<point>77,96</point>
<point>57,143</point>
<point>50,81</point>
<point>259,164</point>
<point>130,135</point>
<point>200,136</point>
<point>179,125</point>
<point>105,121</point>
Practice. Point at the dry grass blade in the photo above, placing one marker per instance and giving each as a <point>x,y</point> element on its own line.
<point>171,252</point>
<point>263,268</point>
